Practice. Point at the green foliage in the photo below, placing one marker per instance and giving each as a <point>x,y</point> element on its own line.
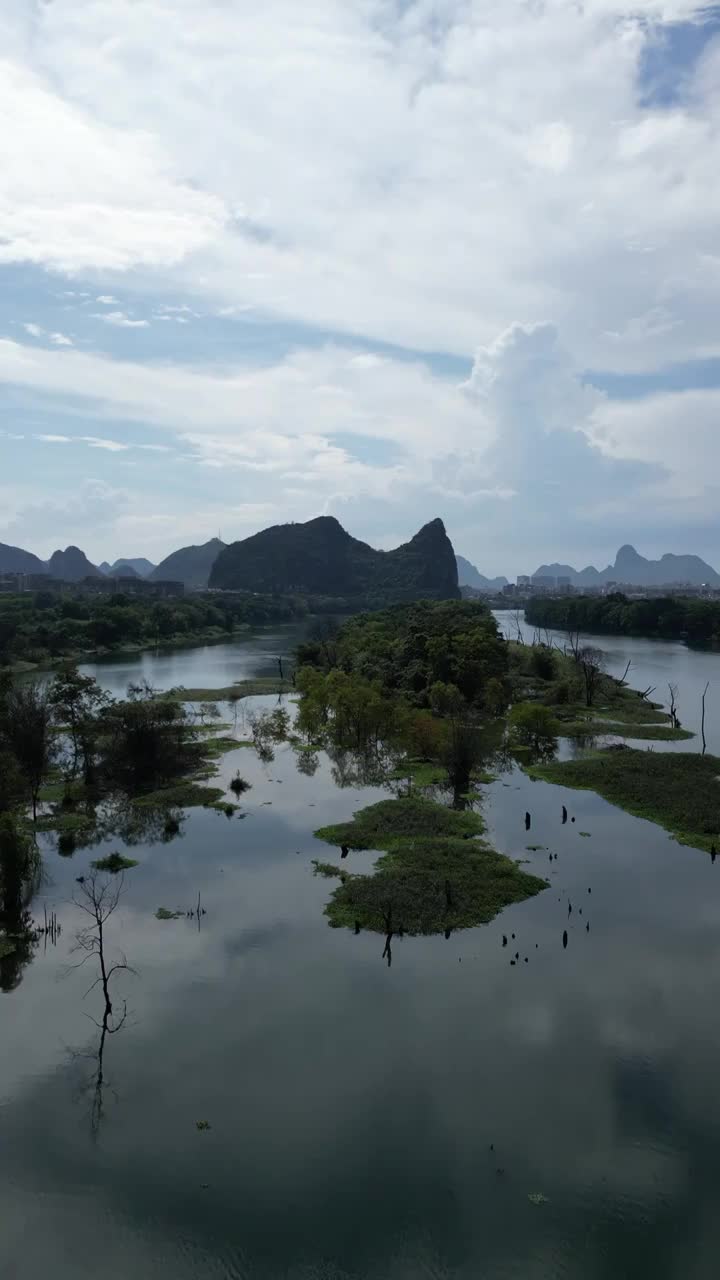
<point>531,722</point>
<point>320,558</point>
<point>433,876</point>
<point>667,617</point>
<point>114,862</point>
<point>373,827</point>
<point>26,740</point>
<point>678,790</point>
<point>50,626</point>
<point>163,913</point>
<point>408,651</point>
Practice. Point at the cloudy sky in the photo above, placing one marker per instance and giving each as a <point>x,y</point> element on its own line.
<point>383,259</point>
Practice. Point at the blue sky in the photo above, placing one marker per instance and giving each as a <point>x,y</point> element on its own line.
<point>384,260</point>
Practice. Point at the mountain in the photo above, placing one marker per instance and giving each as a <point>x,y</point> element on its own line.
<point>583,578</point>
<point>632,569</point>
<point>120,570</point>
<point>321,558</point>
<point>190,565</point>
<point>469,576</point>
<point>72,565</point>
<point>15,560</point>
<point>139,567</point>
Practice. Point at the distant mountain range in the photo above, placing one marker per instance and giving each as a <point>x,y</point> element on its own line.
<point>321,558</point>
<point>138,568</point>
<point>469,576</point>
<point>632,569</point>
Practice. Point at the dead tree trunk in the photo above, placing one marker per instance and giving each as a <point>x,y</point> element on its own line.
<point>702,722</point>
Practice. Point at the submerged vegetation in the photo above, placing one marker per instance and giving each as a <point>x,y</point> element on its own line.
<point>678,790</point>
<point>434,876</point>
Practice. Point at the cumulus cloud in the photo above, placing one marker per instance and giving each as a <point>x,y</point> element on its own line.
<point>458,182</point>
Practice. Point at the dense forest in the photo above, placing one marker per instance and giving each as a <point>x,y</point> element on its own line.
<point>697,621</point>
<point>41,626</point>
<point>409,649</point>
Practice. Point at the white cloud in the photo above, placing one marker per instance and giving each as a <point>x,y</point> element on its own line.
<point>515,457</point>
<point>120,320</point>
<point>106,299</point>
<point>33,329</point>
<point>100,442</point>
<point>48,438</point>
<point>61,340</point>
<point>481,162</point>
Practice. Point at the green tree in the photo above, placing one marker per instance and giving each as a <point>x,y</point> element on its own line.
<point>77,702</point>
<point>26,731</point>
<point>533,723</point>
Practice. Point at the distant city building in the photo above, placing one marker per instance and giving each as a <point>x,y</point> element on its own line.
<point>543,582</point>
<point>523,580</point>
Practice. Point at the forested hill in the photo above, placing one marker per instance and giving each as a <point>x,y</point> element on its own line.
<point>190,565</point>
<point>669,617</point>
<point>321,558</point>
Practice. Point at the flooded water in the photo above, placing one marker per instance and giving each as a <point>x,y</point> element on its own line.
<point>450,1116</point>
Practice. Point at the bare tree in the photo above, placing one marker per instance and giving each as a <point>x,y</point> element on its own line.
<point>518,628</point>
<point>702,723</point>
<point>574,642</point>
<point>674,717</point>
<point>624,676</point>
<point>592,665</point>
<point>98,896</point>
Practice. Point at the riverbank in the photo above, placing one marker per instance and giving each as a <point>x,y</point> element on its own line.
<point>197,639</point>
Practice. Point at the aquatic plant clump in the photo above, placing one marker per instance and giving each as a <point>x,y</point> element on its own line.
<point>379,824</point>
<point>114,862</point>
<point>435,875</point>
<point>678,790</point>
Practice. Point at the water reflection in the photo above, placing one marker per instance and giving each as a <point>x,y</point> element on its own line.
<point>23,937</point>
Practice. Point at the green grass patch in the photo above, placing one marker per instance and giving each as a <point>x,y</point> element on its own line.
<point>215,748</point>
<point>114,862</point>
<point>228,693</point>
<point>678,790</point>
<point>65,823</point>
<point>594,728</point>
<point>181,795</point>
<point>422,772</point>
<point>379,824</point>
<point>432,877</point>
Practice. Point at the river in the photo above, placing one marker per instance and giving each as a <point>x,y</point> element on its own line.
<point>448,1118</point>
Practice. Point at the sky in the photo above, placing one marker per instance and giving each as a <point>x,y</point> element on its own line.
<point>381,259</point>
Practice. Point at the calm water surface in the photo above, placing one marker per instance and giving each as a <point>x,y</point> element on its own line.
<point>373,1122</point>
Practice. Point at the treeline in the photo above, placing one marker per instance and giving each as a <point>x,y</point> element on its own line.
<point>46,625</point>
<point>697,621</point>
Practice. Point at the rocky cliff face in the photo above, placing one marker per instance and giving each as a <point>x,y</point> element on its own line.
<point>321,558</point>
